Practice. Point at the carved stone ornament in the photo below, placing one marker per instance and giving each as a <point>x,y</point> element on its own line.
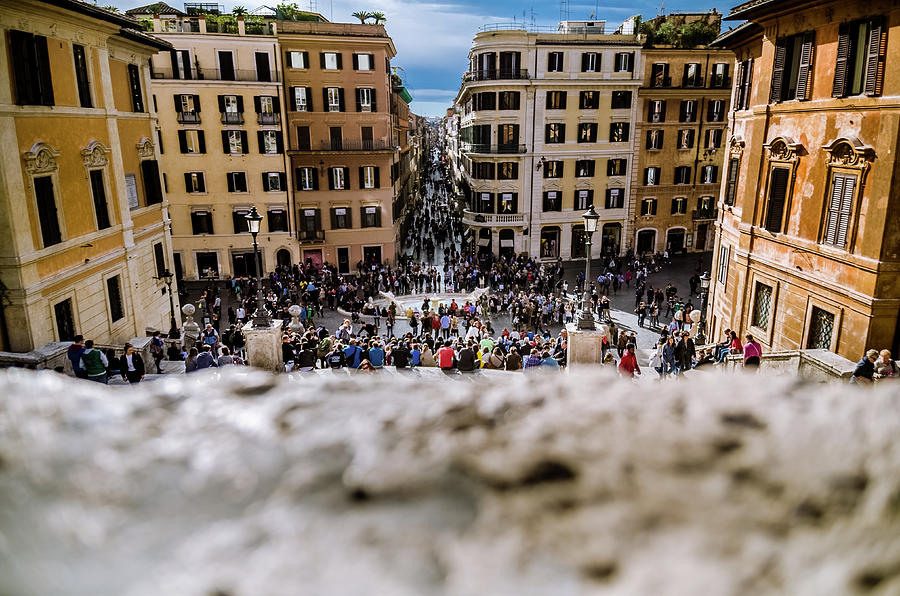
<point>849,153</point>
<point>94,155</point>
<point>145,148</point>
<point>737,146</point>
<point>41,159</point>
<point>783,149</point>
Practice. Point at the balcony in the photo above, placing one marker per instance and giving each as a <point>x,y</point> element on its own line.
<point>189,117</point>
<point>496,149</point>
<point>701,214</point>
<point>232,118</point>
<point>495,75</point>
<point>216,74</point>
<point>267,118</point>
<point>311,235</point>
<point>486,220</point>
<point>345,145</point>
<point>720,83</point>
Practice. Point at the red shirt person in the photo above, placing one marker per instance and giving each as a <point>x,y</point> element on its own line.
<point>628,365</point>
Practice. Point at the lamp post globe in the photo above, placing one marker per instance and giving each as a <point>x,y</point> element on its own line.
<point>261,316</point>
<point>586,320</point>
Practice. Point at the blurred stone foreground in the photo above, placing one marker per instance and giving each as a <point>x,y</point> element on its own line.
<point>506,485</point>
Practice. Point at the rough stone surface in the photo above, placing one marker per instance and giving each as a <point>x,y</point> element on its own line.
<point>519,484</point>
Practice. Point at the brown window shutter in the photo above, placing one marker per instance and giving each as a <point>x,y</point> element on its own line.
<point>778,71</point>
<point>875,55</point>
<point>807,51</point>
<point>777,196</point>
<point>840,65</point>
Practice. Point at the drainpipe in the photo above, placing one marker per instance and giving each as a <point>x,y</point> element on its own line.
<point>531,170</point>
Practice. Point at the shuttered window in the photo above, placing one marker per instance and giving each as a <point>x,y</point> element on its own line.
<point>731,188</point>
<point>47,212</point>
<point>98,192</point>
<point>30,63</point>
<point>860,63</point>
<point>114,291</point>
<point>837,216</point>
<point>792,67</point>
<point>743,81</point>
<point>777,195</point>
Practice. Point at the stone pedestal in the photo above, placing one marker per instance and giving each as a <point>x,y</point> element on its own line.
<point>264,346</point>
<point>585,345</point>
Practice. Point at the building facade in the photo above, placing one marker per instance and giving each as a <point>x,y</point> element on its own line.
<point>680,135</point>
<point>546,130</point>
<point>219,100</point>
<point>83,215</point>
<point>808,243</point>
<point>341,141</point>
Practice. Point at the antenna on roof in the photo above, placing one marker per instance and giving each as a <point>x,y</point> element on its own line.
<point>662,8</point>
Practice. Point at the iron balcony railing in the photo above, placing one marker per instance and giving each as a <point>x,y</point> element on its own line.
<point>232,118</point>
<point>189,117</point>
<point>216,74</point>
<point>311,235</point>
<point>496,74</point>
<point>487,148</point>
<point>705,214</point>
<point>353,145</point>
<point>267,118</point>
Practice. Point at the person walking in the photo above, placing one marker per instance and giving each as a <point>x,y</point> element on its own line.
<point>628,365</point>
<point>94,363</point>
<point>132,365</point>
<point>157,350</point>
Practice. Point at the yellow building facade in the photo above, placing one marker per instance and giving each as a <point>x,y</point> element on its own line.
<point>83,215</point>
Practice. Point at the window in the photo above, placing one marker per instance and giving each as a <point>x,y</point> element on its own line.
<point>659,75</point>
<point>368,177</point>
<point>484,101</point>
<point>724,253</point>
<point>482,170</point>
<point>656,110</point>
<point>187,108</point>
<point>550,242</point>
<point>859,67</point>
<point>365,100</point>
<point>508,170</point>
<point>743,82</point>
<point>587,132</point>
<point>270,142</point>
<point>509,100</point>
<point>791,67</point>
<point>618,132</point>
<point>837,215</point>
<point>778,185</point>
<point>616,167</point>
<point>298,59</point>
<point>509,202</point>
<point>583,199</point>
<point>553,169</point>
<point>232,109</point>
<point>556,100</point>
<point>679,206</point>
<point>336,137</point>
<point>648,207</point>
<point>655,139</point>
<point>159,259</point>
<point>192,141</point>
<point>615,198</point>
<point>720,76</point>
<point>363,62</point>
<point>556,133</point>
<point>81,76</point>
<point>552,201</point>
<point>731,189</point>
<point>303,139</point>
<point>31,69</point>
<point>508,137</point>
<point>239,221</point>
<point>624,62</point>
<point>762,306</point>
<point>338,178</point>
<point>267,109</point>
<point>277,218</point>
<point>688,111</point>
<point>368,139</point>
<point>485,203</point>
<point>310,224</point>
<point>98,192</point>
<point>65,320</point>
<point>686,138</point>
<point>713,138</point>
<point>715,110</point>
<point>579,242</point>
<point>307,179</point>
<point>555,62</point>
<point>683,175</point>
<point>134,85</point>
<point>651,176</point>
<point>589,100</point>
<point>709,175</point>
<point>234,141</point>
<point>301,99</point>
<point>821,329</point>
<point>45,197</point>
<point>621,100</point>
<point>371,217</point>
<point>201,222</point>
<point>194,182</point>
<point>114,293</point>
<point>274,181</point>
<point>584,168</point>
<point>237,181</point>
<point>334,99</point>
<point>590,62</point>
<point>150,177</point>
<point>341,218</point>
<point>693,75</point>
<point>331,60</point>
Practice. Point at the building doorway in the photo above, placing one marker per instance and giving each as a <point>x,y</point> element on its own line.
<point>243,264</point>
<point>702,231</point>
<point>675,241</point>
<point>313,257</point>
<point>484,241</point>
<point>611,239</point>
<point>507,243</point>
<point>343,258</point>
<point>283,258</point>
<point>646,241</point>
<point>207,262</point>
<point>372,255</point>
<point>550,242</point>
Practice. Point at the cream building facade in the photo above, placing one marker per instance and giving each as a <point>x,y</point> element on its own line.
<point>83,215</point>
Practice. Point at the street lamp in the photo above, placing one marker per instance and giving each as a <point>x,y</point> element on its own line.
<point>586,321</point>
<point>704,290</point>
<point>166,277</point>
<point>261,316</point>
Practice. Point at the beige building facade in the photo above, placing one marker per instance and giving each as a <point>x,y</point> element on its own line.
<point>83,215</point>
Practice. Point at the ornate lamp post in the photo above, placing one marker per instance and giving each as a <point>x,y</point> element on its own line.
<point>261,316</point>
<point>586,321</point>
<point>704,290</point>
<point>166,277</point>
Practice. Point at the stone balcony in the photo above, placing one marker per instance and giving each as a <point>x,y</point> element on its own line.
<point>489,220</point>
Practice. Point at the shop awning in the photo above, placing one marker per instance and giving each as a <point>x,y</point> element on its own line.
<point>507,243</point>
<point>404,94</point>
<point>484,242</point>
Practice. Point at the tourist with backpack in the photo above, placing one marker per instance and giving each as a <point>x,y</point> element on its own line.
<point>94,363</point>
<point>157,350</point>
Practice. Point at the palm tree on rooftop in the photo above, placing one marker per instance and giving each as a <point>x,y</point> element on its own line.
<point>362,15</point>
<point>239,11</point>
<point>379,17</point>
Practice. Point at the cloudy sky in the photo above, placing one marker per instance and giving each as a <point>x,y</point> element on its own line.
<point>433,37</point>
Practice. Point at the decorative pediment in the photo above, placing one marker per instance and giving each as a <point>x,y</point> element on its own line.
<point>145,148</point>
<point>736,146</point>
<point>784,149</point>
<point>849,152</point>
<point>41,159</point>
<point>94,155</point>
